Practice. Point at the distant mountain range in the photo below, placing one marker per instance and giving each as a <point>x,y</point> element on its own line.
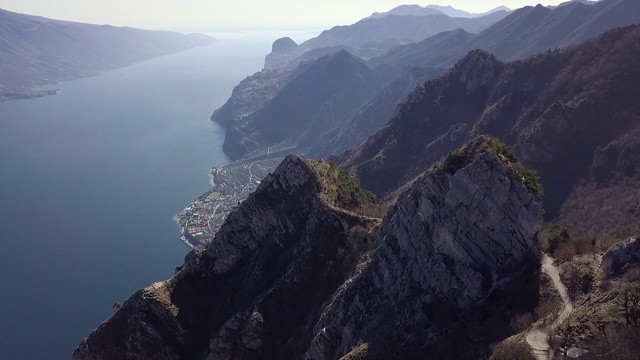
<point>564,111</point>
<point>417,10</point>
<point>37,51</point>
<point>371,37</point>
<point>522,33</point>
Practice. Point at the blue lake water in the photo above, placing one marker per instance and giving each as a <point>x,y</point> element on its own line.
<point>90,180</point>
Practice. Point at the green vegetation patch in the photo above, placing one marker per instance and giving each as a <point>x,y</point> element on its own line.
<point>343,190</point>
<point>214,195</point>
<point>349,192</point>
<point>530,179</point>
<point>462,157</point>
<point>562,244</point>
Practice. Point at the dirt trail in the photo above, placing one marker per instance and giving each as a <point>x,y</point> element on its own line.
<point>538,339</point>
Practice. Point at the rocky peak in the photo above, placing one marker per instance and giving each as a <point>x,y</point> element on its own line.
<point>296,273</point>
<point>451,238</point>
<point>477,69</point>
<point>257,217</point>
<point>338,60</point>
<point>284,44</point>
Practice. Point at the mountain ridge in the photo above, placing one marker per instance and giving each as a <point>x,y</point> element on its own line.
<point>522,33</point>
<point>371,37</point>
<point>308,266</point>
<point>531,104</point>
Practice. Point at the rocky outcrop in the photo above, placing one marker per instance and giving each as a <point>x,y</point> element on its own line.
<point>284,44</point>
<point>283,52</point>
<point>296,272</point>
<point>621,258</point>
<point>447,244</point>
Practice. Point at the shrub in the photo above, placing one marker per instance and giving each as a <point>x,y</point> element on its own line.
<point>557,235</point>
<point>629,298</point>
<point>343,189</point>
<point>578,278</point>
<point>558,241</point>
<point>459,158</point>
<point>349,192</point>
<point>530,179</point>
<point>455,161</point>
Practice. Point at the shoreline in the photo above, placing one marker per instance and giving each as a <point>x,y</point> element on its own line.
<point>28,95</point>
<point>181,232</point>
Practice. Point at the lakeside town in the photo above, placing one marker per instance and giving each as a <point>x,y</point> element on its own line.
<point>231,184</point>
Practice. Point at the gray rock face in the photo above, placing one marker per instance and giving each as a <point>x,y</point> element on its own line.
<point>622,257</point>
<point>290,275</point>
<point>134,331</point>
<point>443,248</point>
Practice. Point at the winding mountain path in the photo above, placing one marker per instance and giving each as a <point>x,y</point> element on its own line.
<point>538,339</point>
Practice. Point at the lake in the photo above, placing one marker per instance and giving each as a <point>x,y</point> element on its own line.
<point>90,180</point>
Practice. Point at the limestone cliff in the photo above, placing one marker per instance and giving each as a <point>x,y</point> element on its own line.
<point>299,272</point>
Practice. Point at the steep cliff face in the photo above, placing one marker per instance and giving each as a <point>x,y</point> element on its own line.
<point>296,272</point>
<point>263,278</point>
<point>449,242</point>
<point>248,96</point>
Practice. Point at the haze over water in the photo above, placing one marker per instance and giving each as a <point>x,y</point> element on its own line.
<point>90,180</point>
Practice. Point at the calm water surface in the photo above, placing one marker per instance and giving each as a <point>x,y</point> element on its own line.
<point>90,180</point>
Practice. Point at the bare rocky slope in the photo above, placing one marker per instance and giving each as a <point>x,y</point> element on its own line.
<point>61,50</point>
<point>297,272</point>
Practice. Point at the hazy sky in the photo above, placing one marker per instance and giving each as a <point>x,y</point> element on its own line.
<point>231,13</point>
